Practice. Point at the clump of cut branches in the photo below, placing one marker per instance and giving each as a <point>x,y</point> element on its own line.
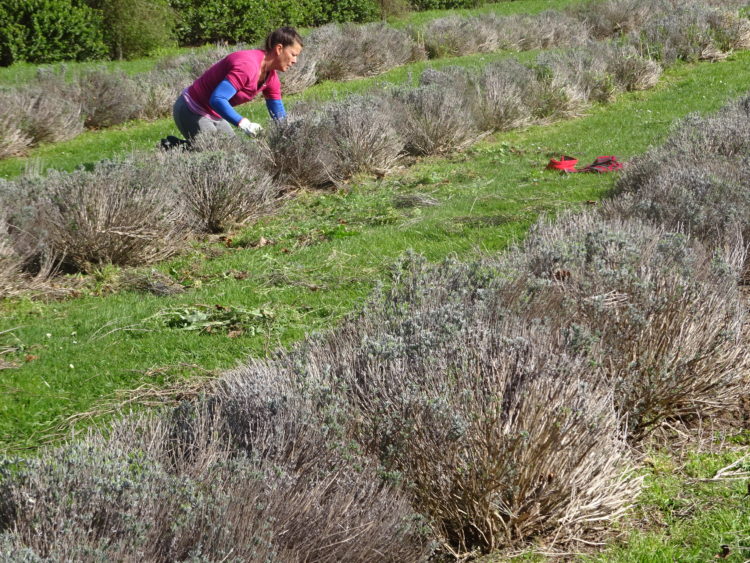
<point>148,281</point>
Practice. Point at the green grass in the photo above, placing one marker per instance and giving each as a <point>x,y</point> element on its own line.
<point>683,515</point>
<point>329,249</point>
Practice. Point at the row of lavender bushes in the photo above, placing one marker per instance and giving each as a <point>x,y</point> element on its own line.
<point>143,209</point>
<point>57,107</point>
<point>466,408</point>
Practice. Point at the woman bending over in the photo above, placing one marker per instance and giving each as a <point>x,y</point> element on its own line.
<point>207,105</point>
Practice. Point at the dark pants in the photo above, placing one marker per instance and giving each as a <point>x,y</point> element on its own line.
<point>190,124</point>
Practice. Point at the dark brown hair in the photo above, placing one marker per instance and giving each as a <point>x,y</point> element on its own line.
<point>284,35</point>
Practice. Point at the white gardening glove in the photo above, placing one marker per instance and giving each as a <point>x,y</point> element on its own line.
<point>250,128</point>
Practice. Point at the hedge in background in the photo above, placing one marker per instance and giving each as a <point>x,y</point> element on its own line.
<point>48,31</point>
<point>136,28</point>
<point>251,20</point>
<point>445,4</point>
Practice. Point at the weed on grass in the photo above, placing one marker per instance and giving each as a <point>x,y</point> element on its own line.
<point>213,318</point>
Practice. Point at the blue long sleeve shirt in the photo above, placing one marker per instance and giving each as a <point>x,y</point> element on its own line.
<point>225,91</point>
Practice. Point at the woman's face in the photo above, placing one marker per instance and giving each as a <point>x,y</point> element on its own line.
<point>287,56</point>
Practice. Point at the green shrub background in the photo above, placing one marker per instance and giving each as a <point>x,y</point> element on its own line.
<point>47,31</point>
<point>136,28</point>
<point>251,20</point>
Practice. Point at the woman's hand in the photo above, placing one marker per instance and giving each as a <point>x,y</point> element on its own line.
<point>251,129</point>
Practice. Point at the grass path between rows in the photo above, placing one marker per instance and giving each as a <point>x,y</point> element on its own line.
<point>328,250</point>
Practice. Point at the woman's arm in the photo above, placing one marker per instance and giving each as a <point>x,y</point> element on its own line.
<point>220,102</point>
<point>276,109</point>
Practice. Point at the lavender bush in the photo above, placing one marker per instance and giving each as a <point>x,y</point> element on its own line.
<point>619,17</point>
<point>119,213</point>
<point>358,50</point>
<point>51,109</point>
<point>655,309</point>
<point>548,30</point>
<point>433,120</point>
<point>324,145</point>
<point>13,140</point>
<point>506,91</point>
<point>706,194</point>
<point>10,262</point>
<point>172,488</point>
<point>498,436</point>
<point>159,90</point>
<point>693,32</point>
<point>455,36</point>
<point>300,151</point>
<point>219,182</point>
<point>108,98</point>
